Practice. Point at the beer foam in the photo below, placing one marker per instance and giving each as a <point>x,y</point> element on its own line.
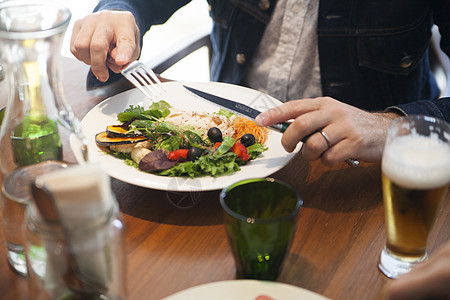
<point>416,161</point>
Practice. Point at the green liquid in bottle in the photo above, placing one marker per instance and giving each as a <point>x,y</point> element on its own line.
<point>36,141</point>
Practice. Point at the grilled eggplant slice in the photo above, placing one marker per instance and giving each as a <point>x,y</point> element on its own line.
<point>117,131</point>
<point>102,139</point>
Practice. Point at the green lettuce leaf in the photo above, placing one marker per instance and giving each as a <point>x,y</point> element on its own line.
<point>225,146</point>
<point>255,150</point>
<point>206,165</point>
<point>156,111</point>
<point>225,113</point>
<point>169,143</point>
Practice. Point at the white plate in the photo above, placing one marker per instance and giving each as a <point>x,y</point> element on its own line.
<point>105,113</point>
<point>245,290</point>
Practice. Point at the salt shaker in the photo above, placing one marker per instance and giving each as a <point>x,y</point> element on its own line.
<point>74,237</point>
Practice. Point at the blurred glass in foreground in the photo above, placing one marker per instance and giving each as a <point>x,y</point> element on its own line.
<point>74,237</point>
<point>31,33</point>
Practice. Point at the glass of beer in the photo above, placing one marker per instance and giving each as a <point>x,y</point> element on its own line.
<point>415,176</point>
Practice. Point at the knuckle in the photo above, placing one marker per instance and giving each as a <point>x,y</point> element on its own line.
<point>79,46</point>
<point>328,102</point>
<point>326,99</point>
<point>328,159</point>
<point>127,40</point>
<point>98,46</point>
<point>314,145</point>
<point>129,16</point>
<point>308,155</point>
<point>105,13</point>
<point>299,124</point>
<point>291,105</point>
<point>73,50</point>
<point>77,23</point>
<point>273,113</point>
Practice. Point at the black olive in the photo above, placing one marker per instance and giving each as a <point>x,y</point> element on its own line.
<point>248,139</point>
<point>215,135</point>
<point>194,153</point>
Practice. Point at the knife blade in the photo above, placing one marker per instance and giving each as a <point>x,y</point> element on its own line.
<point>249,112</point>
<point>235,107</point>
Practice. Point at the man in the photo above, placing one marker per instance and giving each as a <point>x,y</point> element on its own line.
<point>368,54</point>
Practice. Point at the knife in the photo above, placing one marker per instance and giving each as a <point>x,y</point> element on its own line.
<point>236,107</point>
<point>249,112</point>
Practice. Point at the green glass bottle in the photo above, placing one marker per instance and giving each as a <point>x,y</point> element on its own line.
<point>36,141</point>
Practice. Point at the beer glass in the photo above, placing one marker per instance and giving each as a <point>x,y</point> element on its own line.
<point>415,177</point>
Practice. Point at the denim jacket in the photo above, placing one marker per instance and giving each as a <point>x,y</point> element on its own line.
<point>373,54</point>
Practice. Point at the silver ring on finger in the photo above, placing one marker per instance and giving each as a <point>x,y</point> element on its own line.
<point>327,139</point>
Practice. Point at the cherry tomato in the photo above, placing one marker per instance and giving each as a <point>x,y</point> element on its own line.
<point>263,297</point>
<point>180,154</point>
<point>241,151</point>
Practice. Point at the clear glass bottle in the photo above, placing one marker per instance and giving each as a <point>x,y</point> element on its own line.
<point>3,93</point>
<point>37,115</point>
<point>95,254</point>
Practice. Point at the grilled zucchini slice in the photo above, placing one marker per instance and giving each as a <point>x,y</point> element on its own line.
<point>117,131</point>
<point>102,139</point>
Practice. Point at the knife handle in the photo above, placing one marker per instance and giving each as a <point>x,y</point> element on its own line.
<point>281,127</point>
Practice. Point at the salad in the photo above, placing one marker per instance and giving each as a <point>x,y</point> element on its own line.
<point>170,142</point>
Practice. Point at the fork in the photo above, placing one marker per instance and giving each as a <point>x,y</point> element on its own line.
<point>144,79</point>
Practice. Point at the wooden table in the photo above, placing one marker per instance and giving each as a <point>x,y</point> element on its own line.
<point>335,251</point>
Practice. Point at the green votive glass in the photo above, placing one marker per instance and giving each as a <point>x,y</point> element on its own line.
<point>260,221</point>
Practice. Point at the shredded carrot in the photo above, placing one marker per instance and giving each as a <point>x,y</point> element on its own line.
<point>242,126</point>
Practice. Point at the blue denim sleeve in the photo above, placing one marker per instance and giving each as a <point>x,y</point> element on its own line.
<point>439,108</point>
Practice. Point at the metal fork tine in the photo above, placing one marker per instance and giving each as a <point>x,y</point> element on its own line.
<point>143,84</point>
<point>154,77</point>
<point>144,79</point>
<point>137,84</point>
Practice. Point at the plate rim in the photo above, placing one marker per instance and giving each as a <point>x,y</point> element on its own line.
<point>242,283</point>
